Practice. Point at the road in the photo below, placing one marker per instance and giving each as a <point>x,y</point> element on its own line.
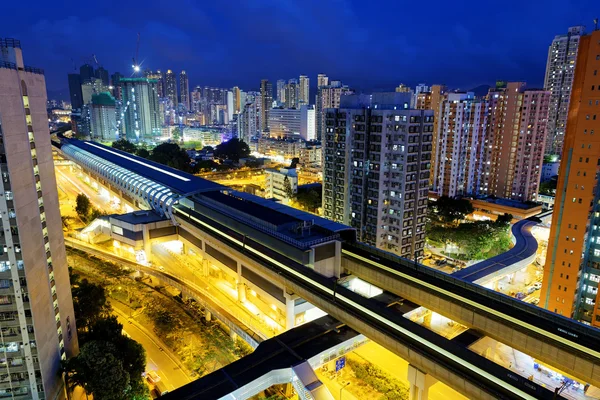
<point>156,358</point>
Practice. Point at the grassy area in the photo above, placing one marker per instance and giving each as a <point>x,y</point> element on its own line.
<point>201,347</point>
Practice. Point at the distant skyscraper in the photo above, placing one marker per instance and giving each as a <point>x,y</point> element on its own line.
<point>402,88</point>
<point>102,74</point>
<point>196,99</point>
<point>38,322</point>
<point>572,270</point>
<point>322,80</point>
<point>237,100</point>
<point>103,117</point>
<point>266,92</point>
<point>141,115</point>
<point>230,107</point>
<point>75,91</point>
<point>281,91</point>
<point>115,81</point>
<point>437,96</point>
<point>376,170</point>
<point>328,97</point>
<point>87,73</point>
<point>90,87</point>
<point>304,90</point>
<point>171,87</point>
<point>184,90</point>
<point>291,94</point>
<point>422,88</point>
<point>560,69</point>
<point>159,77</point>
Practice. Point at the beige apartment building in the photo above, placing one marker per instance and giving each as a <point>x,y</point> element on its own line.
<point>37,324</point>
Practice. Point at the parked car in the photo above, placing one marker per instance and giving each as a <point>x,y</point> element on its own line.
<point>161,267</point>
<point>537,285</point>
<point>531,289</point>
<point>160,389</point>
<point>520,295</point>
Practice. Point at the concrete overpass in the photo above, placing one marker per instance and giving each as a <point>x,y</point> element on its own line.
<point>229,228</point>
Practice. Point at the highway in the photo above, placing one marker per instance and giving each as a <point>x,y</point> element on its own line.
<point>157,359</point>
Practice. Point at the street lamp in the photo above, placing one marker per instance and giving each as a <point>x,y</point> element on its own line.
<point>342,388</point>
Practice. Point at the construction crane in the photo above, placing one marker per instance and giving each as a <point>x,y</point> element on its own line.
<point>136,65</point>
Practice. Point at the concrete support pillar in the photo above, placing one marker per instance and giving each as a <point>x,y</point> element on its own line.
<point>207,316</point>
<point>290,312</point>
<point>147,245</point>
<point>241,288</point>
<point>420,383</point>
<point>288,390</point>
<point>205,267</point>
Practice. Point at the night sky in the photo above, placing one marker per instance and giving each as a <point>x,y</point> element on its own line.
<point>368,44</point>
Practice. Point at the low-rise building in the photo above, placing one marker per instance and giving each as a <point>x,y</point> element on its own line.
<point>281,184</point>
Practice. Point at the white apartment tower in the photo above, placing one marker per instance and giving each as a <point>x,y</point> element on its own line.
<point>560,69</point>
<point>377,155</point>
<point>304,96</point>
<point>37,321</point>
<point>459,149</point>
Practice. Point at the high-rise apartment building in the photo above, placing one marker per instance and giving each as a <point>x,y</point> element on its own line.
<point>115,81</point>
<point>196,99</point>
<point>281,83</point>
<point>266,93</point>
<point>322,80</point>
<point>141,116</point>
<point>75,91</point>
<point>437,96</point>
<point>38,324</point>
<point>304,90</point>
<point>515,141</point>
<point>171,87</point>
<point>560,69</point>
<point>572,270</point>
<point>328,97</point>
<point>376,170</point>
<point>237,100</point>
<point>103,117</point>
<point>248,126</point>
<point>86,71</point>
<point>102,74</point>
<point>460,144</point>
<point>184,90</point>
<point>292,94</point>
<point>160,78</point>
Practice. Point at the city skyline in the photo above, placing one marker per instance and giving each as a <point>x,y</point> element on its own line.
<point>210,51</point>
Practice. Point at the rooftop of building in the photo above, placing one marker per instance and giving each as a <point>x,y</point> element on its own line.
<point>139,79</point>
<point>10,42</point>
<point>103,99</point>
<point>297,227</point>
<point>508,202</point>
<point>179,182</point>
<point>138,217</point>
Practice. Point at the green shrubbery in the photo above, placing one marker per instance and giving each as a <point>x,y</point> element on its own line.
<point>379,380</point>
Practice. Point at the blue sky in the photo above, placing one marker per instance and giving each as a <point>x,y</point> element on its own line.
<point>370,45</point>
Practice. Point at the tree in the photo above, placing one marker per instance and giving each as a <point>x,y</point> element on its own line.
<point>141,152</point>
<point>89,303</point>
<point>98,371</point>
<point>309,200</point>
<point>233,149</point>
<point>287,188</point>
<point>176,135</point>
<point>124,145</point>
<point>83,206</point>
<point>449,210</point>
<point>172,155</point>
